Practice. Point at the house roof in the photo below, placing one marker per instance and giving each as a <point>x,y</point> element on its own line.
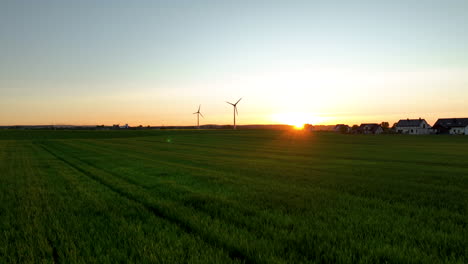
<point>370,127</point>
<point>452,122</point>
<point>341,125</point>
<point>410,122</point>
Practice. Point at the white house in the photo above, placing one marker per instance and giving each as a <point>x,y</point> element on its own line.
<point>459,130</point>
<point>413,127</point>
<point>454,126</point>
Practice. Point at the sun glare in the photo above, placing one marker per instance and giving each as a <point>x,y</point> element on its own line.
<point>297,120</point>
<point>298,126</point>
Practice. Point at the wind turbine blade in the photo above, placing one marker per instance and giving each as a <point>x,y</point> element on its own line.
<point>236,110</point>
<point>238,100</point>
<point>201,115</point>
<point>195,113</point>
<point>199,108</point>
<point>229,103</point>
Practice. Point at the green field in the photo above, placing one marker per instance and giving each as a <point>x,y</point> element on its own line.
<point>232,196</point>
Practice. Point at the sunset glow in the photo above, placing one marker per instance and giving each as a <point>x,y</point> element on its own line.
<point>299,127</point>
<point>298,119</point>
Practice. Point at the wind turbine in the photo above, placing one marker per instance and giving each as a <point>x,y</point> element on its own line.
<point>198,116</point>
<point>235,110</point>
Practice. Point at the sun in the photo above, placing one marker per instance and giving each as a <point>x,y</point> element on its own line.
<point>297,120</point>
<point>298,126</point>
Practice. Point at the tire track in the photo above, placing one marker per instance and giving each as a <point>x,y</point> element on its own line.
<point>55,256</point>
<point>234,253</point>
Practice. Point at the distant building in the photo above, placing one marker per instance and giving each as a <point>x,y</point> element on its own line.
<point>454,126</point>
<point>341,128</point>
<point>413,127</point>
<point>370,129</point>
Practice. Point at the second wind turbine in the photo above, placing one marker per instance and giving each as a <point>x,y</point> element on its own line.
<point>235,110</point>
<point>198,116</point>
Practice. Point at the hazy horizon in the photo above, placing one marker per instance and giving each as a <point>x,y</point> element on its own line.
<point>154,62</point>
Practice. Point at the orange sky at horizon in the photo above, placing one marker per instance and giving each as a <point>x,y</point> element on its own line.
<point>316,96</point>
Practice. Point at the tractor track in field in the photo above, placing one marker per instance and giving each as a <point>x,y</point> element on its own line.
<point>107,150</point>
<point>55,256</point>
<point>233,253</point>
<point>233,221</point>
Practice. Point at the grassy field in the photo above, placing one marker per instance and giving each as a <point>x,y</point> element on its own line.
<point>232,196</point>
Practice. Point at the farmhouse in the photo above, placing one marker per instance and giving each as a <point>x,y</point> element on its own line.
<point>370,129</point>
<point>340,128</point>
<point>413,127</point>
<point>454,126</point>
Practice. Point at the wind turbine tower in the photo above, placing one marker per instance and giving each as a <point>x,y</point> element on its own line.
<point>198,116</point>
<point>235,110</point>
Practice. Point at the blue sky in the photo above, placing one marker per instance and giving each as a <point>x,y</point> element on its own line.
<point>151,62</point>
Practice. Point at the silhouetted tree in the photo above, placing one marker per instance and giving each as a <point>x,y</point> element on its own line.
<point>385,126</point>
<point>308,127</point>
<point>393,128</point>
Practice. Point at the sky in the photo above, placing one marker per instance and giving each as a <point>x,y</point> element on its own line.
<point>154,62</point>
